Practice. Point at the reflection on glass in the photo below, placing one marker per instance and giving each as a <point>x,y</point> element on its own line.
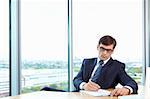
<point>44,44</point>
<point>120,18</point>
<point>4,48</point>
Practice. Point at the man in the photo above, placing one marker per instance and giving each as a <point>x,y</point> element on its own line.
<point>111,73</point>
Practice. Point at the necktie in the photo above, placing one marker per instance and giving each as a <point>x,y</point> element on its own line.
<point>97,72</point>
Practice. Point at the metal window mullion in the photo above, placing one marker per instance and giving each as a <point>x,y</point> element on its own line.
<point>144,41</point>
<point>147,32</point>
<point>148,36</point>
<point>70,47</point>
<point>14,48</point>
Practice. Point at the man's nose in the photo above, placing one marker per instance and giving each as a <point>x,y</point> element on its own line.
<point>105,51</point>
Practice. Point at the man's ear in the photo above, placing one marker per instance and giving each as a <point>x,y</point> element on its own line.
<point>98,47</point>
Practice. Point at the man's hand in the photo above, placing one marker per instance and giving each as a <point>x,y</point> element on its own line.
<point>91,86</point>
<point>120,92</point>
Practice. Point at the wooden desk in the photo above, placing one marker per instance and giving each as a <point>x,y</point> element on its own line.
<point>56,95</point>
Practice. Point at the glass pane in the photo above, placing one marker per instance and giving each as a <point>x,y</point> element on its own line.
<point>4,48</point>
<point>120,18</point>
<point>44,44</point>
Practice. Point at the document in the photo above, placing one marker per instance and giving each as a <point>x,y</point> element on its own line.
<point>100,92</point>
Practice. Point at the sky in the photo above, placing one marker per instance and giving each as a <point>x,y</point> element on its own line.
<point>44,28</point>
<point>4,29</point>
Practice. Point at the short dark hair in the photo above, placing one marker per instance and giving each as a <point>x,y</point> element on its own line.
<point>107,40</point>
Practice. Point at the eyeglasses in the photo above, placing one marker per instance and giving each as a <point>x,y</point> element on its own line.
<point>102,49</point>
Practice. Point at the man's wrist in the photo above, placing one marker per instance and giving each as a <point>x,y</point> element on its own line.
<point>82,85</point>
<point>129,88</point>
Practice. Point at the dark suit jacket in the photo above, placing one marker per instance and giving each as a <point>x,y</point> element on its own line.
<point>112,73</point>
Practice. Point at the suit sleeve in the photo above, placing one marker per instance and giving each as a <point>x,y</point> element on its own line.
<point>126,80</point>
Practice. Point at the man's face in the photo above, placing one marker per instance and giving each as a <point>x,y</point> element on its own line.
<point>105,51</point>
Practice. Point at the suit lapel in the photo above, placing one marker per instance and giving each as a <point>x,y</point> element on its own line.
<point>108,63</point>
<point>91,68</point>
<point>94,64</point>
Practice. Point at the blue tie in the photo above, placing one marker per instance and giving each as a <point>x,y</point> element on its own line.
<point>97,72</point>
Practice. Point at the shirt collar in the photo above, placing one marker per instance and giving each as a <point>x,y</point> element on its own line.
<point>98,59</point>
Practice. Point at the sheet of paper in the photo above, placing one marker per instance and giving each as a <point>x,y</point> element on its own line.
<point>100,92</point>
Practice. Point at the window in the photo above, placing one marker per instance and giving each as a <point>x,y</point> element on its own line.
<point>4,48</point>
<point>44,44</point>
<point>120,18</point>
